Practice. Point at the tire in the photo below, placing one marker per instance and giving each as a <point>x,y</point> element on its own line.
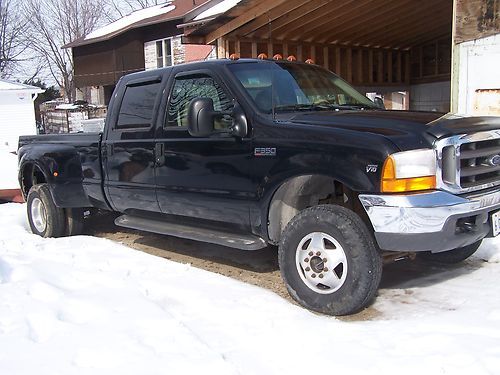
<point>74,221</point>
<point>338,235</point>
<point>44,217</point>
<point>452,256</point>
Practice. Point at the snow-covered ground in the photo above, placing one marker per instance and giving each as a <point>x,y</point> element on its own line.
<point>86,305</point>
<point>8,162</point>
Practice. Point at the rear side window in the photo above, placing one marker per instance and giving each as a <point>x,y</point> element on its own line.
<point>137,106</point>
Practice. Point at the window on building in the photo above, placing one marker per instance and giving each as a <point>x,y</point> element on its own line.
<point>201,86</point>
<point>136,110</point>
<point>164,53</point>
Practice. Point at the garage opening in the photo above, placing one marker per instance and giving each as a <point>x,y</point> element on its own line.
<point>399,50</point>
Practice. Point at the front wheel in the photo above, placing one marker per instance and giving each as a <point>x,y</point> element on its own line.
<point>452,256</point>
<point>329,261</point>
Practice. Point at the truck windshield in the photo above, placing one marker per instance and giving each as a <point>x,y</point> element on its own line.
<point>297,87</point>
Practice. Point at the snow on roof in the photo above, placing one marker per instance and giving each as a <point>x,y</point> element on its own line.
<point>11,85</point>
<point>217,9</point>
<point>130,19</point>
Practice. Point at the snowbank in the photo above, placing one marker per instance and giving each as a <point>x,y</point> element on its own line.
<point>8,170</point>
<point>86,305</point>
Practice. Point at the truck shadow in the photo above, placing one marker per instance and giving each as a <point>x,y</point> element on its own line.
<point>260,267</point>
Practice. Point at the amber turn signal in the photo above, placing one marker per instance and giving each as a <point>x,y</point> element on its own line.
<point>391,184</point>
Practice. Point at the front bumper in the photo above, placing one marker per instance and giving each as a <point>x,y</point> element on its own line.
<point>432,221</point>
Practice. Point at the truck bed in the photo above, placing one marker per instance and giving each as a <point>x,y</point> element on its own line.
<point>73,160</point>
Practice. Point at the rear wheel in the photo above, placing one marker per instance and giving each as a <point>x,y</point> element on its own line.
<point>329,261</point>
<point>453,256</point>
<point>74,221</point>
<point>45,218</point>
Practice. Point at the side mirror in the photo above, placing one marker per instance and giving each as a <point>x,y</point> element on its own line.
<point>240,124</point>
<point>200,117</point>
<point>379,102</point>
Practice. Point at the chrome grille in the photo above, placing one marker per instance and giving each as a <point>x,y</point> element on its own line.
<point>479,163</point>
<point>469,162</point>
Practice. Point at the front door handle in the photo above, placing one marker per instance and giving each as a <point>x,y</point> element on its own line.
<point>159,154</point>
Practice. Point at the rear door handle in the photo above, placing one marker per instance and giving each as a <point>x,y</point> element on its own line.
<point>159,154</point>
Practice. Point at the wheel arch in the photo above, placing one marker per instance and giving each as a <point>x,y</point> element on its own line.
<point>302,191</point>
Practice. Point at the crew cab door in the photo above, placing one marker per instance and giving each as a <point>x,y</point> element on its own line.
<point>206,178</point>
<point>128,150</point>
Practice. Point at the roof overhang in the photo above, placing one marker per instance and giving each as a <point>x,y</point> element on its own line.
<point>397,24</point>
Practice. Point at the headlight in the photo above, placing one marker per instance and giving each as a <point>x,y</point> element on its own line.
<point>409,171</point>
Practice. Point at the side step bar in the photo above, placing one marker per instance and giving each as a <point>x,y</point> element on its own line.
<point>238,241</point>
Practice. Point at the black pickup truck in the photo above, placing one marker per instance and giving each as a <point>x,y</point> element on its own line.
<point>257,153</point>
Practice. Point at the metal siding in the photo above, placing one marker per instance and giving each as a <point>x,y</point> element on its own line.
<point>17,117</point>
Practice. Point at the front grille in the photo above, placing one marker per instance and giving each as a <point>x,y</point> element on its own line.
<point>479,163</point>
<point>469,162</point>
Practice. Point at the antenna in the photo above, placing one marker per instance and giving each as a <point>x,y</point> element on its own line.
<point>273,111</point>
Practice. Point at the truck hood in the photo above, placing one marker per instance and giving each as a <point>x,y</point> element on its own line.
<point>407,129</point>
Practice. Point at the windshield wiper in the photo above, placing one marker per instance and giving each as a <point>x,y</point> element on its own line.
<point>357,106</point>
<point>308,107</point>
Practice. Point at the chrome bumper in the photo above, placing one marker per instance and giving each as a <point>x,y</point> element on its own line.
<point>413,216</point>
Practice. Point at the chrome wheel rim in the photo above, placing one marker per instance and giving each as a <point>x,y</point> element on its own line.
<point>321,262</point>
<point>38,215</point>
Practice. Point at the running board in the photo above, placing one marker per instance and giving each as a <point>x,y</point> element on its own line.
<point>238,241</point>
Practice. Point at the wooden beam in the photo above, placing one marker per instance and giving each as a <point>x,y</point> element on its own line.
<point>394,20</point>
<point>338,61</point>
<point>380,67</point>
<point>270,49</point>
<point>193,40</point>
<point>221,48</point>
<point>407,67</point>
<point>352,18</point>
<point>312,52</point>
<point>370,66</point>
<point>326,63</point>
<point>359,77</point>
<point>389,66</point>
<point>285,50</point>
<point>251,14</point>
<point>349,65</point>
<point>475,19</point>
<point>299,53</point>
<point>309,21</point>
<point>237,48</point>
<point>399,77</point>
<point>386,32</point>
<point>271,16</point>
<point>294,15</point>
<point>254,50</point>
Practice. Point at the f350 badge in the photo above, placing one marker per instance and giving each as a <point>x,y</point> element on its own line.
<point>264,151</point>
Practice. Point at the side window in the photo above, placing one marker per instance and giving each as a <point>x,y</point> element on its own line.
<point>136,110</point>
<point>188,88</point>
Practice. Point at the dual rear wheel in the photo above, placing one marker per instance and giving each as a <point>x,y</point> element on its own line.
<point>48,220</point>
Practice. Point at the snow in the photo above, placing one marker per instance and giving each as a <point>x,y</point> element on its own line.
<point>130,19</point>
<point>10,85</point>
<point>217,9</point>
<point>8,161</point>
<point>85,305</point>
